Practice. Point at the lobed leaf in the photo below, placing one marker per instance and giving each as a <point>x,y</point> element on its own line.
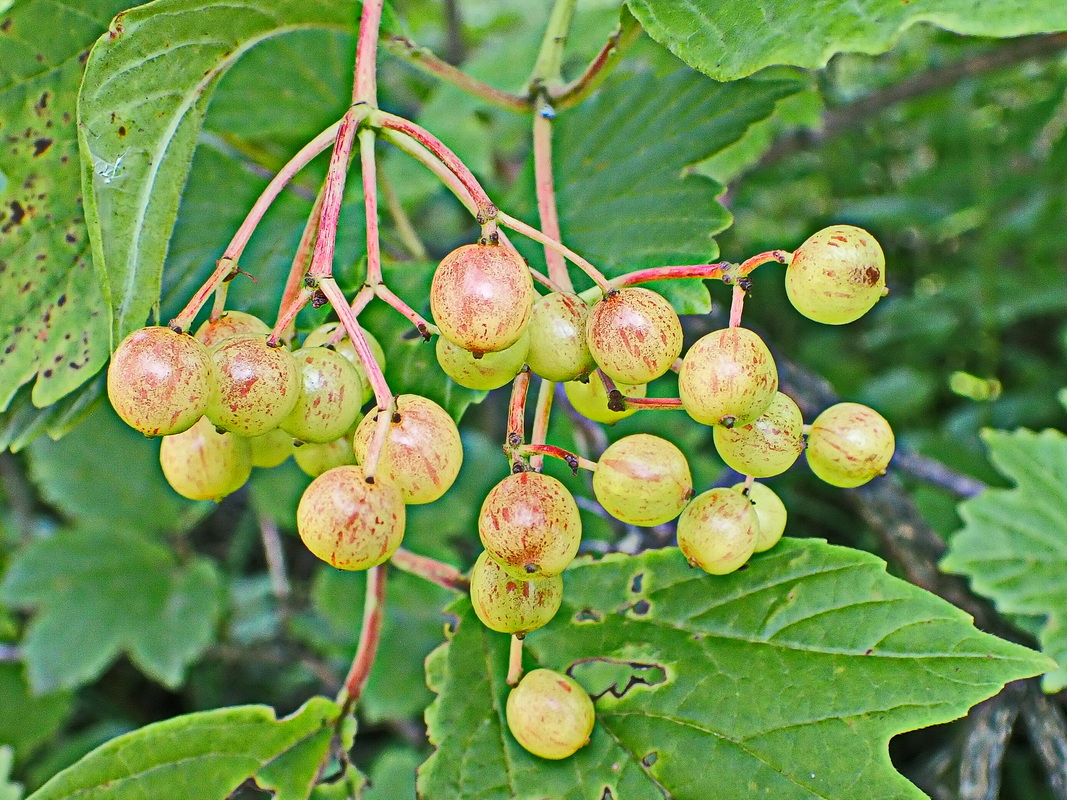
<point>789,677</point>
<point>53,314</point>
<point>208,755</point>
<point>733,38</point>
<point>99,593</point>
<point>1013,546</point>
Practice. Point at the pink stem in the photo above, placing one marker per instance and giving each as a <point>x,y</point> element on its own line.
<point>294,283</point>
<point>426,329</point>
<point>288,314</point>
<point>737,304</point>
<point>359,302</point>
<point>369,636</point>
<point>707,271</point>
<point>545,394</point>
<point>749,264</point>
<point>365,86</point>
<point>336,297</point>
<point>486,210</point>
<point>322,260</point>
<point>430,569</point>
<point>573,461</point>
<point>652,402</point>
<point>546,198</point>
<point>370,205</point>
<point>517,409</point>
<point>514,661</point>
<point>529,231</point>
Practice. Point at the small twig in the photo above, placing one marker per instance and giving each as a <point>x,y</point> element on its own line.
<point>516,433</point>
<point>430,569</point>
<point>600,67</point>
<point>934,472</point>
<point>542,412</point>
<point>546,196</point>
<point>369,635</point>
<point>294,283</point>
<point>275,556</point>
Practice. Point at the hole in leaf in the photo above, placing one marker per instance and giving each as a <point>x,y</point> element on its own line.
<point>600,675</point>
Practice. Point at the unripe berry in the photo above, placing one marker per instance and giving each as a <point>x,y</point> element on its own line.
<point>489,371</point>
<point>643,480</point>
<point>770,510</point>
<point>202,464</point>
<point>837,275</point>
<point>349,523</point>
<point>422,452</point>
<point>321,335</point>
<point>315,459</point>
<point>634,335</point>
<point>508,604</point>
<point>529,524</point>
<point>271,448</point>
<point>227,324</point>
<point>849,444</point>
<point>767,446</point>
<point>331,394</point>
<point>717,531</point>
<point>590,399</point>
<point>550,714</point>
<point>558,348</point>
<point>160,381</point>
<point>481,297</point>
<point>727,378</point>
<point>257,385</point>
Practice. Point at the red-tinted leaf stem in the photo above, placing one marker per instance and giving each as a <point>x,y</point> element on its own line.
<point>430,569</point>
<point>227,263</point>
<point>514,661</point>
<point>365,85</point>
<point>370,205</point>
<point>516,434</point>
<point>369,636</point>
<point>532,233</point>
<point>585,84</point>
<point>662,403</point>
<point>707,271</point>
<point>386,295</point>
<point>545,393</point>
<point>573,461</point>
<point>546,195</point>
<point>322,259</point>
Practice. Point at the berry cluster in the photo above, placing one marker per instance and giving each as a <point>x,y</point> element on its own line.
<point>234,396</point>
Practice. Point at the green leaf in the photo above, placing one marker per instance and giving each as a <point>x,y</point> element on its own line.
<point>733,38</point>
<point>28,719</point>
<point>624,200</point>
<point>23,422</point>
<point>106,476</point>
<point>98,593</point>
<point>1013,546</point>
<point>392,776</point>
<point>211,753</point>
<point>136,154</point>
<point>8,789</point>
<point>52,311</point>
<point>789,676</point>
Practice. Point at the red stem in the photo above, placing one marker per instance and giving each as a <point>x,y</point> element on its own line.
<point>369,636</point>
<point>737,304</point>
<point>359,302</point>
<point>707,271</point>
<point>333,293</point>
<point>365,86</point>
<point>545,394</point>
<point>517,409</point>
<point>573,461</point>
<point>514,661</point>
<point>370,205</point>
<point>531,232</point>
<point>653,402</point>
<point>430,569</point>
<point>322,260</point>
<point>546,196</point>
<point>425,328</point>
<point>294,283</point>
<point>287,315</point>
<point>749,264</point>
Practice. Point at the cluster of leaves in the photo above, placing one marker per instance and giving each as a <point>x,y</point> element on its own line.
<point>109,569</point>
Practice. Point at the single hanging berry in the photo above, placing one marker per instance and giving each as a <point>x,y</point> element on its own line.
<point>257,385</point>
<point>227,324</point>
<point>203,464</point>
<point>331,396</point>
<point>643,480</point>
<point>849,444</point>
<point>559,351</point>
<point>485,372</point>
<point>837,275</point>
<point>634,335</point>
<point>718,531</point>
<point>550,714</point>
<point>728,377</point>
<point>508,604</point>
<point>767,446</point>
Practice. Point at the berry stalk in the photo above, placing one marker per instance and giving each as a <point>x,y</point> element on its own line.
<point>532,233</point>
<point>322,259</point>
<point>515,661</point>
<point>573,461</point>
<point>517,414</point>
<point>545,394</point>
<point>294,283</point>
<point>546,194</point>
<point>737,304</point>
<point>382,395</point>
<point>749,264</point>
<point>425,328</point>
<point>430,569</point>
<point>365,85</point>
<point>369,636</point>
<point>370,205</point>
<point>359,302</point>
<point>666,403</point>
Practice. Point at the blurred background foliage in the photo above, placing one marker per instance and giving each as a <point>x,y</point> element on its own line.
<point>960,175</point>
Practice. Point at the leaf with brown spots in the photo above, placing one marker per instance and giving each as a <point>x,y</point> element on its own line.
<point>53,313</point>
<point>788,678</point>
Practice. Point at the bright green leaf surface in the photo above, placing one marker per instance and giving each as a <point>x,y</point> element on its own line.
<point>53,316</point>
<point>136,154</point>
<point>205,755</point>
<point>99,593</point>
<point>728,39</point>
<point>28,719</point>
<point>106,476</point>
<point>623,199</point>
<point>1013,546</point>
<point>789,677</point>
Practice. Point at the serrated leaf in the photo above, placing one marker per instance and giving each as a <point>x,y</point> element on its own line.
<point>52,312</point>
<point>732,39</point>
<point>28,720</point>
<point>99,593</point>
<point>136,155</point>
<point>624,201</point>
<point>1013,545</point>
<point>789,677</point>
<point>209,753</point>
<point>106,476</point>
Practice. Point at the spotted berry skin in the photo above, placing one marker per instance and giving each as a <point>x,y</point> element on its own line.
<point>643,480</point>
<point>718,531</point>
<point>203,464</point>
<point>257,385</point>
<point>849,444</point>
<point>728,377</point>
<point>837,275</point>
<point>227,324</point>
<point>422,452</point>
<point>481,297</point>
<point>160,381</point>
<point>558,348</point>
<point>488,370</point>
<point>767,446</point>
<point>508,604</point>
<point>529,524</point>
<point>349,523</point>
<point>550,714</point>
<point>634,335</point>
<point>331,394</point>
<point>590,399</point>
